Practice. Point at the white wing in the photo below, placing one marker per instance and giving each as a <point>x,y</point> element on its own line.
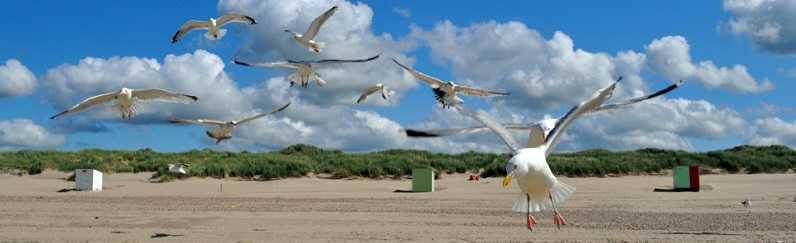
<point>369,91</point>
<point>160,94</point>
<point>262,115</point>
<point>562,124</point>
<point>234,18</point>
<point>312,31</point>
<point>639,99</point>
<point>187,27</point>
<point>434,82</point>
<point>282,64</point>
<point>477,92</point>
<point>494,126</point>
<point>198,121</point>
<point>88,103</point>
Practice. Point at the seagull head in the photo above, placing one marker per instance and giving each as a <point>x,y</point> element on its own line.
<point>514,168</point>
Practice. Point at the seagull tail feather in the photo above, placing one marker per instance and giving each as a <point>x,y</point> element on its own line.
<point>561,192</point>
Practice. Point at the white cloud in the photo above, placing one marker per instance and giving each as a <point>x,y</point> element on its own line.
<point>16,79</point>
<point>347,35</point>
<point>405,12</point>
<point>769,23</point>
<point>773,130</point>
<point>24,134</point>
<point>670,56</point>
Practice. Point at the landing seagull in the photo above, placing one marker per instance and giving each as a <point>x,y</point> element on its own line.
<point>126,100</point>
<point>178,168</point>
<point>540,189</point>
<point>213,26</point>
<point>224,129</point>
<point>305,70</point>
<point>307,38</point>
<point>539,129</point>
<point>385,92</point>
<point>445,92</point>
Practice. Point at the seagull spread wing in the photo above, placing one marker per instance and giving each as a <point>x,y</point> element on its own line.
<point>584,107</point>
<point>434,82</point>
<point>89,102</point>
<point>282,64</point>
<point>491,124</point>
<point>312,31</point>
<point>639,99</point>
<point>477,92</point>
<point>160,94</point>
<point>245,120</point>
<point>369,91</point>
<point>333,61</point>
<point>454,131</point>
<point>234,18</point>
<point>187,27</point>
<point>198,121</point>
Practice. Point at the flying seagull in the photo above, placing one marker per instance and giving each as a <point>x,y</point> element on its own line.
<point>539,129</point>
<point>540,189</point>
<point>385,92</point>
<point>445,92</point>
<point>305,70</point>
<point>213,26</point>
<point>126,100</point>
<point>178,168</point>
<point>307,38</point>
<point>223,130</point>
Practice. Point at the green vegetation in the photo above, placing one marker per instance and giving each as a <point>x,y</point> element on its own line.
<point>300,160</point>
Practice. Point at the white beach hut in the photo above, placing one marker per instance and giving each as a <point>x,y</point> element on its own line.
<point>88,180</point>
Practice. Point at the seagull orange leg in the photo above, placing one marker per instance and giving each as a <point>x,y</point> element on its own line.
<point>531,220</point>
<point>557,218</point>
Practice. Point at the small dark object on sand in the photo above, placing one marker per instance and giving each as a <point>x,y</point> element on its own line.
<point>66,190</point>
<point>160,235</point>
<point>117,232</point>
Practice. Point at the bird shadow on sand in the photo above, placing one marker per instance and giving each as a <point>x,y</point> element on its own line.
<point>161,235</point>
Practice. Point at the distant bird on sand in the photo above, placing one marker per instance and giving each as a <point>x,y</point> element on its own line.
<point>213,26</point>
<point>385,92</point>
<point>307,39</point>
<point>224,129</point>
<point>540,189</point>
<point>305,70</point>
<point>445,92</point>
<point>178,168</point>
<point>126,100</point>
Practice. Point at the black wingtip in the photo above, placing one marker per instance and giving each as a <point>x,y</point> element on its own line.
<point>241,63</point>
<point>194,98</point>
<point>252,20</point>
<point>418,133</point>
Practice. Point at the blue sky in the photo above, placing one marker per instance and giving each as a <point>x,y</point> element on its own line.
<point>67,32</point>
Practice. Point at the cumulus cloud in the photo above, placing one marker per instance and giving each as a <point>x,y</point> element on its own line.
<point>769,23</point>
<point>347,34</point>
<point>16,79</point>
<point>773,130</point>
<point>25,134</point>
<point>670,56</point>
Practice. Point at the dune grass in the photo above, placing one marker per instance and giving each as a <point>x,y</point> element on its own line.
<point>300,160</point>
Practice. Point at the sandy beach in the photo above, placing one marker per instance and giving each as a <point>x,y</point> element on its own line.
<point>131,209</point>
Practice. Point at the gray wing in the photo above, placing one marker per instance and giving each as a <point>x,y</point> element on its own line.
<point>160,94</point>
<point>88,103</point>
<point>478,92</point>
<point>584,107</point>
<point>282,64</point>
<point>369,91</point>
<point>245,120</point>
<point>491,124</point>
<point>434,82</point>
<point>234,18</point>
<point>333,61</point>
<point>198,121</point>
<point>639,99</point>
<point>187,27</point>
<point>312,31</point>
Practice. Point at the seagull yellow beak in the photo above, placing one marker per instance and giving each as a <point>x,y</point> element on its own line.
<point>506,181</point>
